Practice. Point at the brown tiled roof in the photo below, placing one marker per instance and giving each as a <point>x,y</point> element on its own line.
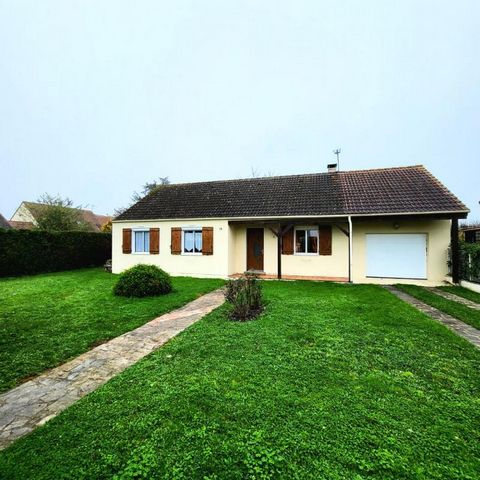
<point>96,221</point>
<point>4,222</point>
<point>379,191</point>
<point>21,225</point>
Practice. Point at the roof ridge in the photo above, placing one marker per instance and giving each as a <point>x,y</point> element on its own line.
<point>295,175</point>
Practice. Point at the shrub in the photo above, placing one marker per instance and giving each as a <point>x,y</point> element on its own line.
<point>245,296</point>
<point>26,252</point>
<point>143,281</point>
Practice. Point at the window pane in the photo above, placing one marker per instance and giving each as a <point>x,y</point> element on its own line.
<point>300,241</point>
<point>146,241</point>
<point>188,241</point>
<point>312,241</point>
<point>198,241</point>
<point>139,241</point>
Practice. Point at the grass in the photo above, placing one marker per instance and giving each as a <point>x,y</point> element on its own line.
<point>47,319</point>
<point>331,382</point>
<point>462,292</point>
<point>457,310</point>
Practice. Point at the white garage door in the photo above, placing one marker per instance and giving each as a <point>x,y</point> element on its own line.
<point>398,255</point>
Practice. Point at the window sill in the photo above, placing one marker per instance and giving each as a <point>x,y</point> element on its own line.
<point>192,254</point>
<point>306,254</point>
<point>140,253</point>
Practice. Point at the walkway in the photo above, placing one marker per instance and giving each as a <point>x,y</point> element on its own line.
<point>466,331</point>
<point>33,403</point>
<point>455,298</point>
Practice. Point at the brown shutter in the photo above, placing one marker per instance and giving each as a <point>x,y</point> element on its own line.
<point>325,233</point>
<point>287,242</point>
<point>154,241</point>
<point>127,240</point>
<point>207,241</point>
<point>176,241</point>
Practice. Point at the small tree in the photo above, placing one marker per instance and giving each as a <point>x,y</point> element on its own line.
<point>106,227</point>
<point>55,213</point>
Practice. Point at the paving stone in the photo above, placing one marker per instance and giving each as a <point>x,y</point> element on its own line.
<point>455,298</point>
<point>35,402</point>
<point>466,331</point>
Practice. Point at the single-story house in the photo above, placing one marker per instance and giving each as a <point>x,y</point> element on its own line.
<point>26,214</point>
<point>365,226</point>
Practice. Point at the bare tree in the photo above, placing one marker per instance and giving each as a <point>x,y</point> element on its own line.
<point>256,173</point>
<point>147,188</point>
<point>150,187</point>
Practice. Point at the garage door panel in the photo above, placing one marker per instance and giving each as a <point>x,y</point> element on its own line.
<point>399,255</point>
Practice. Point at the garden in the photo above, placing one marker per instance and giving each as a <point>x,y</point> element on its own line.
<point>328,381</point>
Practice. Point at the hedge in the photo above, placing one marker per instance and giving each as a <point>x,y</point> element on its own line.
<point>25,252</point>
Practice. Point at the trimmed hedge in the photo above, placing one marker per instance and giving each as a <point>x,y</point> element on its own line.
<point>26,252</point>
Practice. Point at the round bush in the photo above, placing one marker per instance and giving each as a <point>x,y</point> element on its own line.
<point>143,281</point>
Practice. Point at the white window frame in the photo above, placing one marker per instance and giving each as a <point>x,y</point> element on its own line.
<point>140,229</point>
<point>305,228</point>
<point>190,229</point>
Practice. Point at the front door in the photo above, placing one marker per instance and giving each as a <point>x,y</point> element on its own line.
<point>255,249</point>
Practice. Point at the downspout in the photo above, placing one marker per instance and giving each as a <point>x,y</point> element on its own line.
<point>350,248</point>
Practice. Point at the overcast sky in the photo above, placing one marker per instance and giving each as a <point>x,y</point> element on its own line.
<point>98,97</point>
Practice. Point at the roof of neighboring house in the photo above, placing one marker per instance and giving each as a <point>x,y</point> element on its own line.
<point>21,225</point>
<point>96,221</point>
<point>4,222</point>
<point>380,191</point>
<point>471,228</point>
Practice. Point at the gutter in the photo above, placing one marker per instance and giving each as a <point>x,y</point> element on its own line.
<point>350,248</point>
<point>282,217</point>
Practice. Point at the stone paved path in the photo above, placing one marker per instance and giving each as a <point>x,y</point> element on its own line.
<point>466,331</point>
<point>33,403</point>
<point>455,298</point>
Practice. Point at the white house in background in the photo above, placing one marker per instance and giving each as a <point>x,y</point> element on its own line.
<point>365,226</point>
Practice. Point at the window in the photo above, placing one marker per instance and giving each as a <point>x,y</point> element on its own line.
<point>192,241</point>
<point>306,241</point>
<point>141,241</point>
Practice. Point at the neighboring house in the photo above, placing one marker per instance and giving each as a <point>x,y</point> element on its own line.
<point>25,215</point>
<point>375,226</point>
<point>471,234</point>
<point>4,222</point>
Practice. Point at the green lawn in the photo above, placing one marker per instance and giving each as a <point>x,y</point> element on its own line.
<point>462,292</point>
<point>331,382</point>
<point>47,319</point>
<point>457,310</point>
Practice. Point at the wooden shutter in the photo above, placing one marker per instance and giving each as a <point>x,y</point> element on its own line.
<point>127,240</point>
<point>287,242</point>
<point>154,241</point>
<point>176,241</point>
<point>325,240</point>
<point>207,241</point>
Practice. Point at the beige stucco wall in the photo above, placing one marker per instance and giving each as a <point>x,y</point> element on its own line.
<point>215,265</point>
<point>230,251</point>
<point>438,240</point>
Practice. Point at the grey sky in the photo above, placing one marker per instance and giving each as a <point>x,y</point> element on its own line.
<point>97,97</point>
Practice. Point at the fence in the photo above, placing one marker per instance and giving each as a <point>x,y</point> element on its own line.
<point>469,262</point>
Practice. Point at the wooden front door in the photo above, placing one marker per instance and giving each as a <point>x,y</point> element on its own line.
<point>255,249</point>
